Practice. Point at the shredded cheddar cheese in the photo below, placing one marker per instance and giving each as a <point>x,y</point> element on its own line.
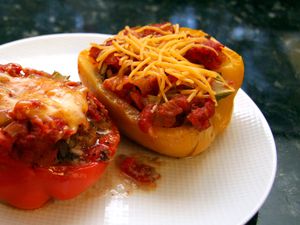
<point>161,55</point>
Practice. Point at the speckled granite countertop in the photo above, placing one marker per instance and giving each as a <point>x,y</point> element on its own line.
<point>266,34</point>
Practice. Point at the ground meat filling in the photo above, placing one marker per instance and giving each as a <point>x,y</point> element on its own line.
<point>41,143</point>
<point>178,110</point>
<point>50,141</point>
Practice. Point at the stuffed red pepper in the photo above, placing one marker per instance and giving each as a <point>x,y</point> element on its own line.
<point>55,137</point>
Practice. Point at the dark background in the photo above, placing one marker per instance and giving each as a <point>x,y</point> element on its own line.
<point>265,33</point>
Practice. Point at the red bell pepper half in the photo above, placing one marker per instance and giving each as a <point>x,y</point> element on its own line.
<point>40,158</point>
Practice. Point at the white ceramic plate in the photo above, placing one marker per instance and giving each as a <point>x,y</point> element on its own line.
<point>225,185</point>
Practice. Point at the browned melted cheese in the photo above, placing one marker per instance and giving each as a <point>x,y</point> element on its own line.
<point>58,100</point>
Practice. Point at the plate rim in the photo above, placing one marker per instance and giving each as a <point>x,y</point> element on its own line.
<point>56,35</point>
<point>274,157</point>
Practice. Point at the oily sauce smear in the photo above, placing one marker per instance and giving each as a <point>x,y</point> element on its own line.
<point>129,171</point>
<point>140,169</point>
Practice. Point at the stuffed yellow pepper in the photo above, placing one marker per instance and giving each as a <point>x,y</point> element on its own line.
<point>169,88</point>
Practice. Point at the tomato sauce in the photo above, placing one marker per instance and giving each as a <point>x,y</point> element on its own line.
<point>138,170</point>
<point>177,110</point>
<point>48,141</point>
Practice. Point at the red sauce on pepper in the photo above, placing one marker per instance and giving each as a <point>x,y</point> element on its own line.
<point>210,55</point>
<point>138,170</point>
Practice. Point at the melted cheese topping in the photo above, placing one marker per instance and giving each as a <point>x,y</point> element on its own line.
<point>58,100</point>
<point>160,55</point>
